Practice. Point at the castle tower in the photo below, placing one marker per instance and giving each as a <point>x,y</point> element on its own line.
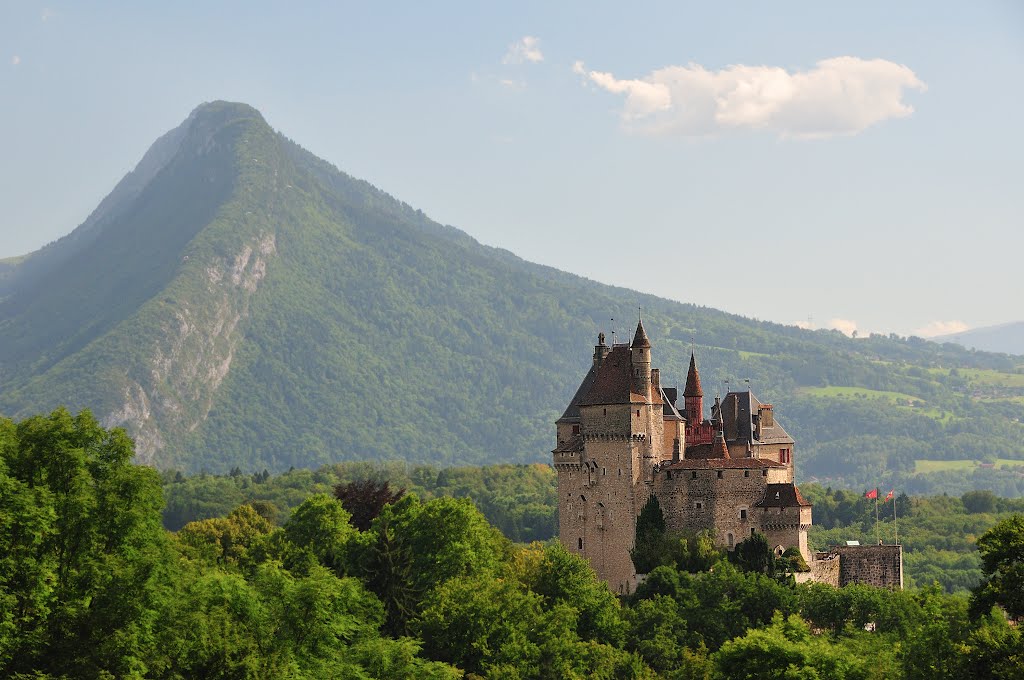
<point>693,395</point>
<point>640,353</point>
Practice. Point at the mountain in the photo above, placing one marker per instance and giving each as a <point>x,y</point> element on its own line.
<point>236,301</point>
<point>1007,338</point>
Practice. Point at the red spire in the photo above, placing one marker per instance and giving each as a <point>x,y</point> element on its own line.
<point>693,380</point>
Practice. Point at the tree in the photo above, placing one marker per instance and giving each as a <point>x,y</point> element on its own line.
<point>414,547</point>
<point>786,650</point>
<point>755,554</point>
<point>321,525</point>
<point>364,499</point>
<point>564,578</point>
<point>979,501</point>
<point>85,563</point>
<point>226,541</point>
<point>649,548</point>
<point>1002,562</point>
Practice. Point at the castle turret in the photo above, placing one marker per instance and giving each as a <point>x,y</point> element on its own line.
<point>693,395</point>
<point>640,352</point>
<point>600,350</point>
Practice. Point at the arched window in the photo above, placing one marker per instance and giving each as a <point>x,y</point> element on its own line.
<point>728,537</point>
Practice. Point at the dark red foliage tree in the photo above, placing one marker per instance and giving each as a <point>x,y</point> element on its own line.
<point>364,500</point>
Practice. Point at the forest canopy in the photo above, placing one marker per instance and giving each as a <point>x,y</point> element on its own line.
<point>91,585</point>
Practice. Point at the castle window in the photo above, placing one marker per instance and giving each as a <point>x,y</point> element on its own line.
<point>743,513</point>
<point>605,411</point>
<point>700,505</point>
<point>719,474</point>
<point>753,531</point>
<point>668,475</point>
<point>604,471</point>
<point>638,413</point>
<point>694,474</point>
<point>764,473</point>
<point>729,540</point>
<point>746,473</point>
<point>575,429</point>
<point>580,544</point>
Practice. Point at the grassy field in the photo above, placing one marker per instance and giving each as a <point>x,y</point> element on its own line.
<point>986,377</point>
<point>898,399</point>
<point>947,465</point>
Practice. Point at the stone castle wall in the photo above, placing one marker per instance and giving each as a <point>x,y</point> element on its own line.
<point>876,565</point>
<point>824,569</point>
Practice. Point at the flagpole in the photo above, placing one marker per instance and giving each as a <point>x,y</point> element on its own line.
<point>878,536</point>
<point>895,523</point>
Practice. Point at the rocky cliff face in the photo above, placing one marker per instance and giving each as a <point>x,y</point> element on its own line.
<point>191,359</point>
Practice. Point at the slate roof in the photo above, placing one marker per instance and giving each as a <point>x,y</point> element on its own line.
<point>613,380</point>
<point>782,496</point>
<point>738,412</point>
<point>668,398</point>
<point>572,411</point>
<point>640,338</point>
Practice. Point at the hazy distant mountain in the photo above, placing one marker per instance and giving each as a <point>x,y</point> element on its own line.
<point>1007,337</point>
<point>237,301</point>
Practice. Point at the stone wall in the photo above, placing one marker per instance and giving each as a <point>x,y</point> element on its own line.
<point>824,569</point>
<point>876,565</point>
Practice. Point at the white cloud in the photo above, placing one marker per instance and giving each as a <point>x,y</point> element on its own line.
<point>844,326</point>
<point>526,49</point>
<point>48,14</point>
<point>935,328</point>
<point>839,96</point>
<point>513,84</point>
<point>15,60</point>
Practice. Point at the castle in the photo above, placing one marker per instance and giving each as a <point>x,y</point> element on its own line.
<point>625,437</point>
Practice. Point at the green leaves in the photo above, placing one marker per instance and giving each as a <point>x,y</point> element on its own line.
<point>1002,560</point>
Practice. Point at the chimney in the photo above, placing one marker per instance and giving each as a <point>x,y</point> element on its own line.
<point>655,379</point>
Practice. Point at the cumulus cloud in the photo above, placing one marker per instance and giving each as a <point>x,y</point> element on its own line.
<point>526,49</point>
<point>844,326</point>
<point>839,96</point>
<point>15,60</point>
<point>936,328</point>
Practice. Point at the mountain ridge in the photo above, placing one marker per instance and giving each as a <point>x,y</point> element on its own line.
<point>1007,338</point>
<point>250,305</point>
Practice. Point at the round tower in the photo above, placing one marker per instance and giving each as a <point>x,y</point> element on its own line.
<point>640,353</point>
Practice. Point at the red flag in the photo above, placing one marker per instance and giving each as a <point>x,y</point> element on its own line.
<point>889,495</point>
<point>871,494</point>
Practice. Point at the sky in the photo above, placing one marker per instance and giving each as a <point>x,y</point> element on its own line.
<point>846,165</point>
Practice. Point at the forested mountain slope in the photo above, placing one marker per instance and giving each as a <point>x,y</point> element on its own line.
<point>238,302</point>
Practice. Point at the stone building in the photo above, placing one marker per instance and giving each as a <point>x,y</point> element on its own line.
<point>625,436</point>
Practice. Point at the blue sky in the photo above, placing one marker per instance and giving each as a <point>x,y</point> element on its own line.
<point>856,164</point>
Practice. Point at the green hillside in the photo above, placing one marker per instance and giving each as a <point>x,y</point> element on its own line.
<point>238,302</point>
